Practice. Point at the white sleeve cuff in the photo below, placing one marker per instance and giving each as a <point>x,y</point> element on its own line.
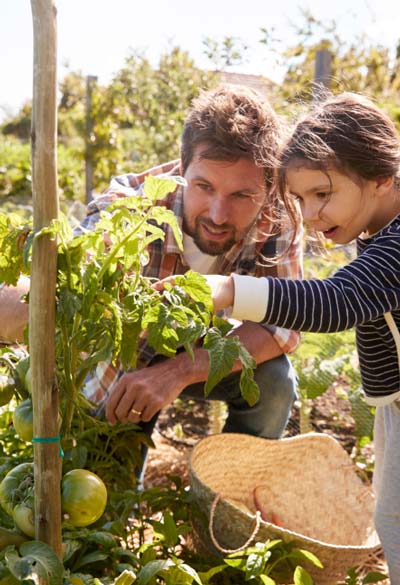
<point>251,298</point>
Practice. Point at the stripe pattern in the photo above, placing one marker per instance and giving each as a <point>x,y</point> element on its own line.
<point>357,295</point>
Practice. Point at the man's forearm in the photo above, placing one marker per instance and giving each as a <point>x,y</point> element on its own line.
<point>14,314</point>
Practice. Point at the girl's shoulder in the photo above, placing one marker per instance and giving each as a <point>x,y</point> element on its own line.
<point>392,229</point>
<point>388,237</point>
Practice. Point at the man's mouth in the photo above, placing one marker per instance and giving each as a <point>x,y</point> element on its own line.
<point>215,233</point>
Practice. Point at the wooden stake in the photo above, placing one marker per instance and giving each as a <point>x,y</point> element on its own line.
<point>43,277</point>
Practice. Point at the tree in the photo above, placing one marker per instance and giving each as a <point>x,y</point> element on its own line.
<point>358,65</point>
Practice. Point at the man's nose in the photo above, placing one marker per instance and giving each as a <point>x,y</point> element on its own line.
<point>218,211</point>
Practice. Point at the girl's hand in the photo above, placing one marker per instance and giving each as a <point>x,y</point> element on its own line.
<point>222,289</point>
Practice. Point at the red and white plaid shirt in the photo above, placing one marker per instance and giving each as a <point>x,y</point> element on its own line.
<point>245,257</point>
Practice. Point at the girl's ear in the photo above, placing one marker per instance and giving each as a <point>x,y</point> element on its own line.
<point>383,185</point>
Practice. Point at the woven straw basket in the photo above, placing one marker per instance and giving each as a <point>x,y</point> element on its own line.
<point>307,484</point>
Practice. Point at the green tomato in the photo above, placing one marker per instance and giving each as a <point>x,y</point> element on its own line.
<point>28,380</point>
<point>23,420</point>
<point>24,518</point>
<point>7,387</point>
<point>18,479</point>
<point>83,497</point>
<point>21,369</point>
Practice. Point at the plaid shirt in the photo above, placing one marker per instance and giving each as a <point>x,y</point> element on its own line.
<point>245,257</point>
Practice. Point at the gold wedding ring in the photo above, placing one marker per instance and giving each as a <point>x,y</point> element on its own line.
<point>134,411</point>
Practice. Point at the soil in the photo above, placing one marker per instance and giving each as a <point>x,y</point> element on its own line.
<point>183,424</point>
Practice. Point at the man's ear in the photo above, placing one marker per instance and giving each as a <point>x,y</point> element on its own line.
<point>383,185</point>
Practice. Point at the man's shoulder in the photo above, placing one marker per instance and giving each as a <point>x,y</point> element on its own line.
<point>128,184</point>
<point>135,180</point>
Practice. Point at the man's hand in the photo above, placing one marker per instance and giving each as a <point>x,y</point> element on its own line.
<point>139,395</point>
<point>222,289</point>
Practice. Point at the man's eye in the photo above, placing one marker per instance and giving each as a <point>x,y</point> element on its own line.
<point>203,186</point>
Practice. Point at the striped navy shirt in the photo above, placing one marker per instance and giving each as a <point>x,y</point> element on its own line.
<point>357,295</point>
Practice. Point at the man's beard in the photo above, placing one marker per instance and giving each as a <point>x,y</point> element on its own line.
<point>206,246</point>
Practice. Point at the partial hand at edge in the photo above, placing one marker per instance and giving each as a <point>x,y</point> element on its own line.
<point>222,289</point>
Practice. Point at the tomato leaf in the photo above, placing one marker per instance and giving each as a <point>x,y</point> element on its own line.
<point>152,569</point>
<point>301,577</point>
<point>156,188</point>
<point>306,555</point>
<point>90,559</point>
<point>223,352</point>
<point>125,578</point>
<point>38,563</point>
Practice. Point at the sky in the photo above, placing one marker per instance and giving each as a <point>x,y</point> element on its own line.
<point>95,36</point>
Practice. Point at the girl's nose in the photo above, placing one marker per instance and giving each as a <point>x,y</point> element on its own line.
<point>311,211</point>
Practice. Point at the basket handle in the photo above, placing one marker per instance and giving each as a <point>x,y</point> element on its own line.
<point>212,534</point>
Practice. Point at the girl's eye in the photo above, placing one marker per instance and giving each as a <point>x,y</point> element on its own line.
<point>322,194</point>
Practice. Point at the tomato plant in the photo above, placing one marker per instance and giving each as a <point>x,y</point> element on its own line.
<point>83,497</point>
<point>104,307</point>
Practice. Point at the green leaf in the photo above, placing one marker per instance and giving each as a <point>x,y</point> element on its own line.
<point>265,580</point>
<point>188,570</point>
<point>162,215</point>
<point>223,352</point>
<point>374,577</point>
<point>90,559</point>
<point>102,538</point>
<point>166,530</point>
<point>156,188</point>
<point>301,577</point>
<point>249,387</point>
<point>152,569</point>
<point>37,562</point>
<point>125,578</point>
<point>12,239</point>
<point>197,287</point>
<point>306,555</point>
<point>206,576</point>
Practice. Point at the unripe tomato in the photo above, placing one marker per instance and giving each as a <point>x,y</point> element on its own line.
<point>83,497</point>
<point>7,387</point>
<point>28,380</point>
<point>23,420</point>
<point>19,478</point>
<point>24,518</point>
<point>21,369</point>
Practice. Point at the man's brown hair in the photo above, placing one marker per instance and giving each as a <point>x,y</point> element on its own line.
<point>232,121</point>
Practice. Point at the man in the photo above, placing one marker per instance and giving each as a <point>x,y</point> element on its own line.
<point>226,210</point>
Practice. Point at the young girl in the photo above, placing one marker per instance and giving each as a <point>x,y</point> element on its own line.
<point>342,165</point>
